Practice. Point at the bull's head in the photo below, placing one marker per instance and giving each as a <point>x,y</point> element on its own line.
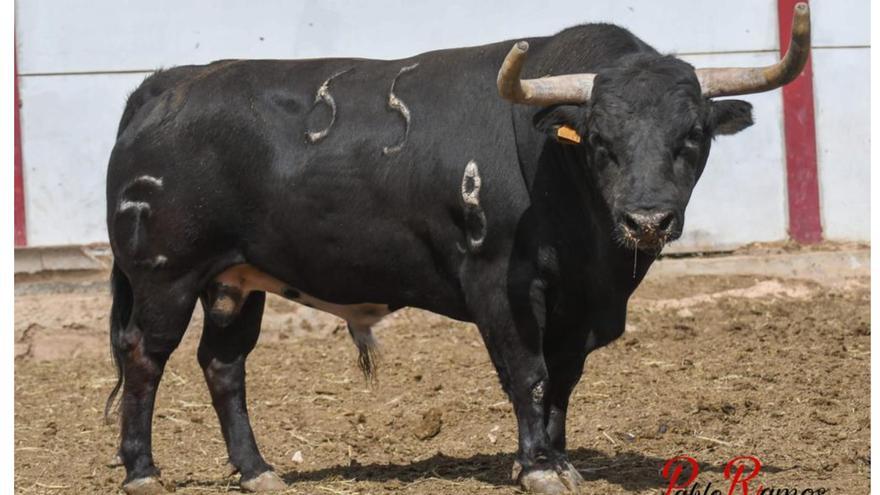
<point>646,124</point>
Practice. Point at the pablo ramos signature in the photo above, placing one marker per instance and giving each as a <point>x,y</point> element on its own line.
<point>740,473</point>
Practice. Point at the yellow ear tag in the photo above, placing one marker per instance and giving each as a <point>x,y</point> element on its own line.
<point>567,135</point>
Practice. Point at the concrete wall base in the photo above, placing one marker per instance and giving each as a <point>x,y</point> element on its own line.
<point>819,266</point>
<point>61,258</point>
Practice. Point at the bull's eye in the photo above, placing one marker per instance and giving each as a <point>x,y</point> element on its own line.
<point>695,136</point>
<point>691,142</point>
<point>600,146</point>
<point>687,149</point>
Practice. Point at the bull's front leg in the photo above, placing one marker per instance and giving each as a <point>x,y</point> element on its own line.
<point>566,346</point>
<point>565,353</point>
<point>513,337</point>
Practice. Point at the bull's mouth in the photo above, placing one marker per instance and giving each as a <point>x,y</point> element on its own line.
<point>651,242</point>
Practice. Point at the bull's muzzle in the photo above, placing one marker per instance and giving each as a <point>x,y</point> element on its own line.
<point>649,228</point>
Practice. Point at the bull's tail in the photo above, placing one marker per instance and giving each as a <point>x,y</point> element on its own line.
<point>368,351</point>
<point>120,314</point>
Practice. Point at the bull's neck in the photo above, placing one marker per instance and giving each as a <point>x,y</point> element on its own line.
<point>576,219</point>
<point>582,224</point>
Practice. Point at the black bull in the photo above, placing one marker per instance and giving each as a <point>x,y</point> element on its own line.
<point>365,186</point>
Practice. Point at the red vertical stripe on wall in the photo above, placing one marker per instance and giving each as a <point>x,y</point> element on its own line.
<point>20,231</point>
<point>804,220</point>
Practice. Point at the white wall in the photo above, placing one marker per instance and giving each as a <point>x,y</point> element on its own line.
<point>841,65</point>
<point>78,59</point>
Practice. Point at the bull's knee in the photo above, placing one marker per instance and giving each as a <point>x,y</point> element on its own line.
<point>224,379</point>
<point>136,357</point>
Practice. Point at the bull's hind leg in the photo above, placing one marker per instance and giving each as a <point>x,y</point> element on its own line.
<point>225,345</point>
<point>158,321</point>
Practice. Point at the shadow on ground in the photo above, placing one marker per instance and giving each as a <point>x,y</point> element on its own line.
<point>629,470</point>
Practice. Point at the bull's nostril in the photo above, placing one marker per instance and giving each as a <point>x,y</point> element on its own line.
<point>666,221</point>
<point>648,223</point>
<point>632,223</point>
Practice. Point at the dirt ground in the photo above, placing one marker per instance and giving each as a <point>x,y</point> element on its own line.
<point>710,367</point>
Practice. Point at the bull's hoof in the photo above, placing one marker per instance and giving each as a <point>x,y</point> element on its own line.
<point>571,477</point>
<point>547,482</point>
<point>564,479</point>
<point>144,486</point>
<point>266,482</point>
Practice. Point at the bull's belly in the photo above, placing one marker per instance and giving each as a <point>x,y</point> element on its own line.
<point>232,287</point>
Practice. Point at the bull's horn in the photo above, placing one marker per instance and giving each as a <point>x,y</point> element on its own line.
<point>551,90</point>
<point>740,81</point>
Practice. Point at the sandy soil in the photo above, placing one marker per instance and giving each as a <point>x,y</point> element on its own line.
<point>711,367</point>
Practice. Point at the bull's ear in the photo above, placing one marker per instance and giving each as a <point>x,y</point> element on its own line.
<point>730,116</point>
<point>565,123</point>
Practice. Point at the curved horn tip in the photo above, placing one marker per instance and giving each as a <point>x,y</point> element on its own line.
<point>741,81</point>
<point>522,46</point>
<point>801,12</point>
<point>801,21</point>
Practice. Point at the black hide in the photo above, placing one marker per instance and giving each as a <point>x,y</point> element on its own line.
<point>538,252</point>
